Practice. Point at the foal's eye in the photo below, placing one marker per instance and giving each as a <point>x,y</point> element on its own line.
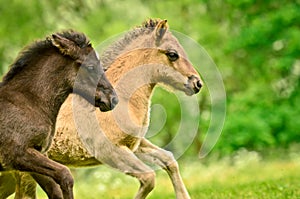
<point>90,67</point>
<point>172,55</point>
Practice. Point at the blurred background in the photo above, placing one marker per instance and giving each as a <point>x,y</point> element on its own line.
<point>256,46</point>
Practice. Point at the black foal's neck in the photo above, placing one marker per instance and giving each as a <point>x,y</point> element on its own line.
<point>45,82</point>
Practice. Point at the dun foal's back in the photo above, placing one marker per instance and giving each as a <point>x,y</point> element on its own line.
<point>31,94</point>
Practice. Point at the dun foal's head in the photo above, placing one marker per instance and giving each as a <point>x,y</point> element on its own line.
<point>175,70</point>
<point>88,78</point>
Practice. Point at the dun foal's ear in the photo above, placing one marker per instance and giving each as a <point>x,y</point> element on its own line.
<point>160,30</point>
<point>65,46</point>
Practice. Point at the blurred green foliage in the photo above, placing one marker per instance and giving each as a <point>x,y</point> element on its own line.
<point>255,44</point>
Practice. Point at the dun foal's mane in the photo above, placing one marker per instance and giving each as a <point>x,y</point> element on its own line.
<point>33,51</point>
<point>117,48</point>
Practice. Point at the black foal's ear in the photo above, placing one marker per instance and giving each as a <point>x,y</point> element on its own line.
<point>160,30</point>
<point>65,46</point>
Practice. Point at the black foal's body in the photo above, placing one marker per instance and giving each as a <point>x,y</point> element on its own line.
<point>31,95</point>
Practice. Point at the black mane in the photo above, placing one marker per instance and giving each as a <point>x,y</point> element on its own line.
<point>39,47</point>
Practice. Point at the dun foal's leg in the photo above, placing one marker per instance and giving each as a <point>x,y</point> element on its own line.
<point>152,154</point>
<point>25,186</point>
<point>125,161</point>
<point>33,161</point>
<point>7,184</point>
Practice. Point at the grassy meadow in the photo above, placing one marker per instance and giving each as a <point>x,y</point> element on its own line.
<point>245,175</point>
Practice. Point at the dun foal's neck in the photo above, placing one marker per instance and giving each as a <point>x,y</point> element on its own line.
<point>127,76</point>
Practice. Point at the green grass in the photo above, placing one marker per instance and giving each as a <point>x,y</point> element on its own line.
<point>244,176</point>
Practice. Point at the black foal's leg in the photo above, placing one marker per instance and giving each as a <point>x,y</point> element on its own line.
<point>51,188</point>
<point>26,186</point>
<point>33,161</point>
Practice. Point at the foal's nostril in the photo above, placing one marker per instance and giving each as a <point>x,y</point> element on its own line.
<point>114,101</point>
<point>195,83</point>
<point>199,84</point>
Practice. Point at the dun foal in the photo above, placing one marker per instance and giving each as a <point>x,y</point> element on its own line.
<point>146,56</point>
<point>31,95</point>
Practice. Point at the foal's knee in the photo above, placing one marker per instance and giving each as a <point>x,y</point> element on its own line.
<point>148,180</point>
<point>170,162</point>
<point>173,166</point>
<point>66,180</point>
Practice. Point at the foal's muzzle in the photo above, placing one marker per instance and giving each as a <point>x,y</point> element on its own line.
<point>106,102</point>
<point>194,84</point>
